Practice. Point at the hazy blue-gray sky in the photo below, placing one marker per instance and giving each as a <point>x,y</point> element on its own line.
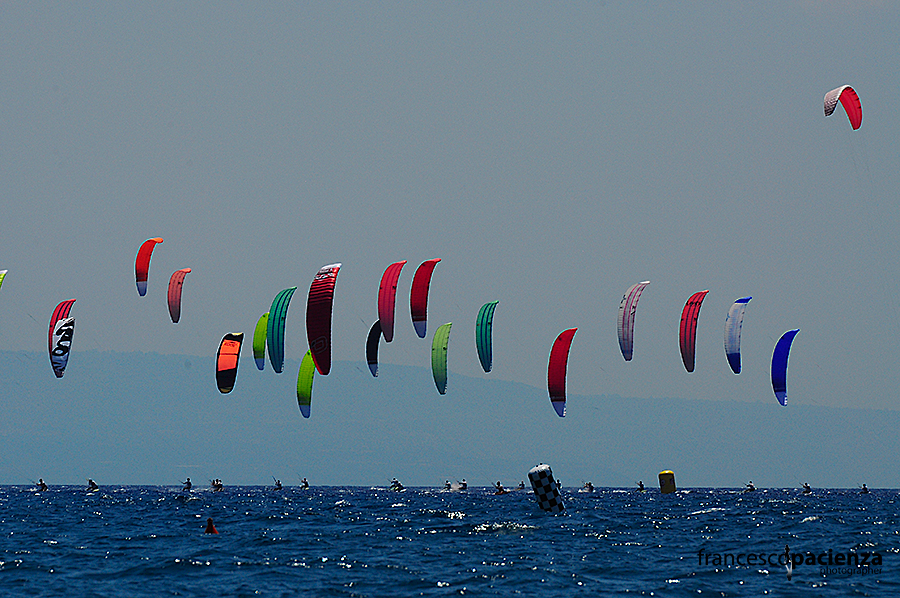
<point>551,154</point>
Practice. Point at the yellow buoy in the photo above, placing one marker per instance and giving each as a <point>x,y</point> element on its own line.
<point>667,482</point>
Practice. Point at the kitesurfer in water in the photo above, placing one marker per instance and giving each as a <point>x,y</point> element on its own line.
<point>463,485</point>
<point>641,486</point>
<point>92,485</point>
<point>588,486</point>
<point>304,485</point>
<point>278,485</point>
<point>865,489</point>
<point>210,528</point>
<point>521,485</point>
<point>788,563</point>
<point>187,485</point>
<point>447,485</point>
<point>217,485</point>
<point>396,485</point>
<point>750,486</point>
<point>41,485</point>
<point>806,488</point>
<point>499,488</point>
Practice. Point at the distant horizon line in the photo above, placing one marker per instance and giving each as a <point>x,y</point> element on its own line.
<point>738,489</point>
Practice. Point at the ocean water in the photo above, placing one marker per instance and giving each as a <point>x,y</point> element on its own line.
<point>331,541</point>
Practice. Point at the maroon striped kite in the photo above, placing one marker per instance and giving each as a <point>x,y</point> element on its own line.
<point>687,335</point>
<point>318,316</point>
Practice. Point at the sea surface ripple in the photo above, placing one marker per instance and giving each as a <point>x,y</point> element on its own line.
<point>351,541</point>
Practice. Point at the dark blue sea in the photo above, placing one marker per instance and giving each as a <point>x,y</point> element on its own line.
<point>330,541</point>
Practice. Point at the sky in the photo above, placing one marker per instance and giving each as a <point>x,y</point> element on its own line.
<point>551,154</point>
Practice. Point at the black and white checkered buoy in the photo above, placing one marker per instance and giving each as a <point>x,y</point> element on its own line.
<point>546,489</point>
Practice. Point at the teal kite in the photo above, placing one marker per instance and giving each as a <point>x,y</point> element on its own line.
<point>483,327</point>
<point>275,328</point>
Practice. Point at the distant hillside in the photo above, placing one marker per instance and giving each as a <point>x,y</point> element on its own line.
<point>144,418</point>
